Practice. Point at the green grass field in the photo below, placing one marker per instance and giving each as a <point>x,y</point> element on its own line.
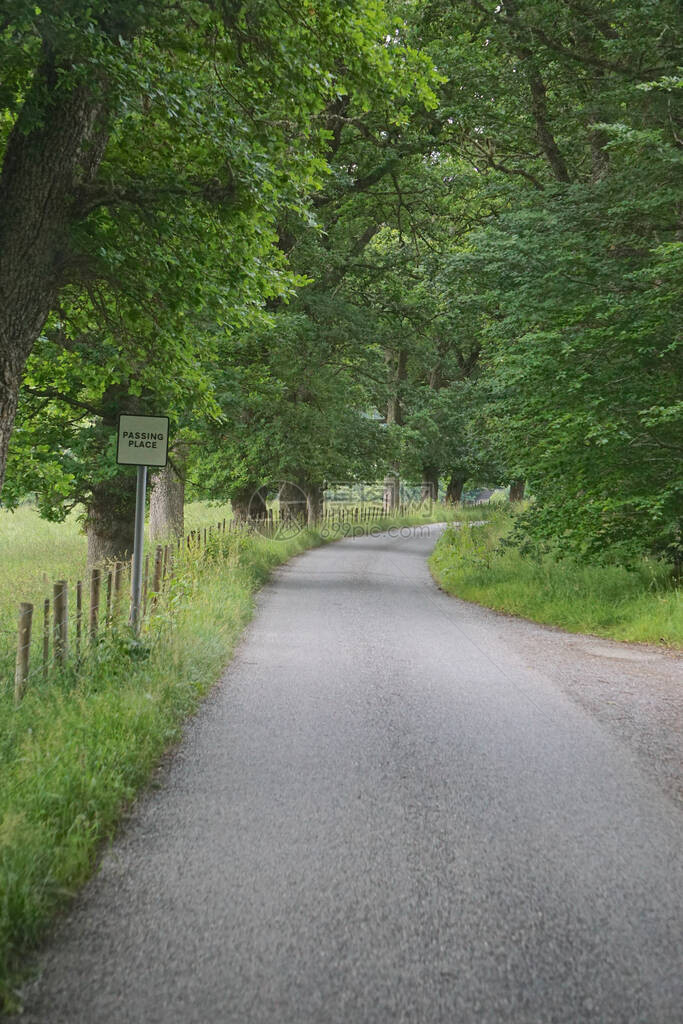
<point>640,604</point>
<point>78,747</point>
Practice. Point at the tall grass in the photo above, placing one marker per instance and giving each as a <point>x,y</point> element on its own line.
<point>34,553</point>
<point>638,604</point>
<point>76,750</point>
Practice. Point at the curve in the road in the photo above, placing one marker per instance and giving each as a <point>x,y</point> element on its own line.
<point>383,814</point>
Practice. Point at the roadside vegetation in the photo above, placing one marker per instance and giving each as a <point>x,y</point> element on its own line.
<point>479,563</point>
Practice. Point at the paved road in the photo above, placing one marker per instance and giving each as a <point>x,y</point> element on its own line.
<point>383,814</point>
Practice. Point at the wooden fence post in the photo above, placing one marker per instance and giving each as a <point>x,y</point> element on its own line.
<point>118,579</point>
<point>158,562</point>
<point>79,617</point>
<point>95,578</point>
<point>145,583</point>
<point>60,612</point>
<point>23,650</point>
<point>46,636</point>
<point>109,588</point>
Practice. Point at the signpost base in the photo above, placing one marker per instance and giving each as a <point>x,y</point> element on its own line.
<point>136,573</point>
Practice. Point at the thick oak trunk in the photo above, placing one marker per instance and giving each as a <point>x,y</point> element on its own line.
<point>249,502</point>
<point>293,502</point>
<point>110,521</point>
<point>517,490</point>
<point>167,500</point>
<point>46,161</point>
<point>429,490</point>
<point>454,489</point>
<point>391,497</point>
<point>396,365</point>
<point>314,503</point>
<point>11,369</point>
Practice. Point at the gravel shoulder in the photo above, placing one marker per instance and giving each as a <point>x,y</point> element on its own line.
<point>634,690</point>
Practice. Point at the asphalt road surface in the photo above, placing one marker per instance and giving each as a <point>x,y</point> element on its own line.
<point>386,812</point>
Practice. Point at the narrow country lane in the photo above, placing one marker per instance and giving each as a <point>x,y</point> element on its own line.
<point>386,812</point>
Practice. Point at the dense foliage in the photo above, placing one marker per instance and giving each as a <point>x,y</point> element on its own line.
<point>338,241</point>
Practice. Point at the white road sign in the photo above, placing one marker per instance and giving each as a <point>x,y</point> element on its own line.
<point>142,441</point>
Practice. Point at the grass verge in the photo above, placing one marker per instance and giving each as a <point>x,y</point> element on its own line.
<point>74,753</point>
<point>639,604</point>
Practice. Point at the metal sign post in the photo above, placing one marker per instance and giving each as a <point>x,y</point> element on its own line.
<point>138,545</point>
<point>142,441</point>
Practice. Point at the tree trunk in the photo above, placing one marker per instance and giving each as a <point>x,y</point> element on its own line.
<point>454,489</point>
<point>397,364</point>
<point>599,151</point>
<point>47,159</point>
<point>167,500</point>
<point>391,498</point>
<point>517,490</point>
<point>293,502</point>
<point>110,521</point>
<point>539,110</point>
<point>430,485</point>
<point>397,374</point>
<point>249,502</point>
<point>239,501</point>
<point>314,502</point>
<point>538,96</point>
<point>11,369</point>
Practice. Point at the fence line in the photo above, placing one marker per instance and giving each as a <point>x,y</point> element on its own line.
<point>23,650</point>
<point>157,576</point>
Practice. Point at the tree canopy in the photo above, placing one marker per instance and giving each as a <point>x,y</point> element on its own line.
<point>335,241</point>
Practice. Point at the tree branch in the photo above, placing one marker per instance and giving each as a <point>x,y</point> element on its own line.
<point>53,395</point>
<point>211,190</point>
